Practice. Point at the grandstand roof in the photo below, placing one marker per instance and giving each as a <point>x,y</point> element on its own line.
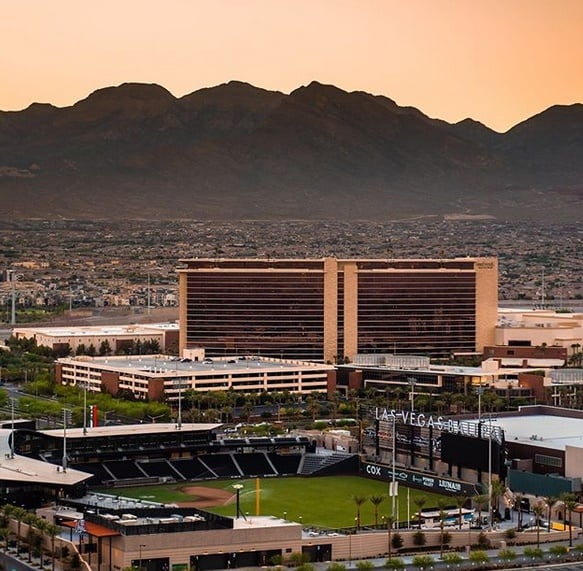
<point>28,470</point>
<point>130,429</point>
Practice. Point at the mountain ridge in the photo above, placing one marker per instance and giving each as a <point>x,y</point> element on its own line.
<point>234,150</point>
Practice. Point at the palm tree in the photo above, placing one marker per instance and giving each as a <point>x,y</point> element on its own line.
<point>518,501</point>
<point>30,519</point>
<point>549,502</point>
<point>498,490</point>
<point>18,514</point>
<point>420,501</point>
<point>376,502</point>
<point>538,510</point>
<point>441,504</point>
<point>480,500</point>
<point>569,503</point>
<point>358,500</point>
<point>5,534</point>
<point>52,531</point>
<point>460,502</point>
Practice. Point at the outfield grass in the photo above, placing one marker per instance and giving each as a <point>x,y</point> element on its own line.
<point>326,501</point>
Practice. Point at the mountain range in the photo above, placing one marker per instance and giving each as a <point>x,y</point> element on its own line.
<point>239,152</point>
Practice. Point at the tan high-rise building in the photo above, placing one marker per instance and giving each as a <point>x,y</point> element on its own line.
<point>328,309</point>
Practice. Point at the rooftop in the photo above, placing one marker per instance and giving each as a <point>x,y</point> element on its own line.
<point>105,330</point>
<point>542,430</point>
<point>129,429</point>
<point>28,470</point>
<point>163,365</point>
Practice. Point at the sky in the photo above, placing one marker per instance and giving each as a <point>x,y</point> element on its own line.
<point>496,61</point>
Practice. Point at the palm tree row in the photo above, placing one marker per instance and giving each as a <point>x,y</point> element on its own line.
<point>37,527</point>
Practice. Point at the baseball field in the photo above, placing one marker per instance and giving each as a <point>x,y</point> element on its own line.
<point>323,502</point>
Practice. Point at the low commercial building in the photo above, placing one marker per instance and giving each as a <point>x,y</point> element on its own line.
<point>157,377</point>
<point>418,375</point>
<point>118,338</point>
<point>542,329</point>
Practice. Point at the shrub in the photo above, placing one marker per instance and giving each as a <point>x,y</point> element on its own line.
<point>395,563</point>
<point>397,541</point>
<point>533,552</point>
<point>558,550</point>
<point>419,538</point>
<point>483,541</point>
<point>365,565</point>
<point>507,554</point>
<point>277,559</point>
<point>510,533</point>
<point>336,567</point>
<point>422,561</point>
<point>452,558</point>
<point>305,567</point>
<point>479,557</point>
<point>298,558</point>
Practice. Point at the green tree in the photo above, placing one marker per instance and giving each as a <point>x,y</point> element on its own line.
<point>4,535</point>
<point>358,500</point>
<point>549,501</point>
<point>441,504</point>
<point>420,501</point>
<point>376,501</point>
<point>538,509</point>
<point>52,531</point>
<point>460,502</point>
<point>570,503</point>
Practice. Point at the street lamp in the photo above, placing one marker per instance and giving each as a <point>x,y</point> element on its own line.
<point>12,435</point>
<point>179,419</point>
<point>238,488</point>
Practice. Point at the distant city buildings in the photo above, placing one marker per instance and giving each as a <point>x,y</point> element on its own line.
<point>331,309</point>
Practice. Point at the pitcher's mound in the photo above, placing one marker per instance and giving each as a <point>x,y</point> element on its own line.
<point>206,497</point>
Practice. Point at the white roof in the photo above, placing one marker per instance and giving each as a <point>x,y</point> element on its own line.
<point>542,430</point>
<point>129,429</point>
<point>29,470</point>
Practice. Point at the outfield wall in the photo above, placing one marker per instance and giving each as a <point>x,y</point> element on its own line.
<point>420,480</point>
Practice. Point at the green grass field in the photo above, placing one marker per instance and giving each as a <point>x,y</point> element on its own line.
<point>318,501</point>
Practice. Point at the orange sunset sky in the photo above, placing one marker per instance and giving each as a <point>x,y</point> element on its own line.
<point>497,61</point>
